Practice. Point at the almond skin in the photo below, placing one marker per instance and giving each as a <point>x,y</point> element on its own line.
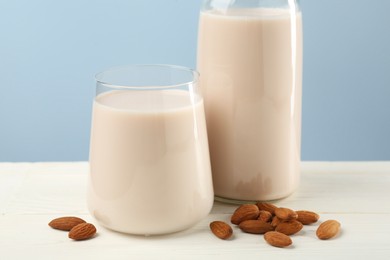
<point>289,227</point>
<point>267,207</point>
<point>275,221</point>
<point>221,229</point>
<point>328,229</point>
<point>307,217</point>
<point>82,231</point>
<point>286,214</point>
<point>65,223</point>
<point>265,216</point>
<point>245,212</point>
<point>277,239</point>
<point>255,226</point>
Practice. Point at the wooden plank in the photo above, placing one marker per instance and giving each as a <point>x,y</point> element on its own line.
<point>355,193</point>
<point>61,187</point>
<point>29,235</point>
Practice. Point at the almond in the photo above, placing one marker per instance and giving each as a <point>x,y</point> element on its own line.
<point>267,207</point>
<point>265,216</point>
<point>286,214</point>
<point>275,221</point>
<point>65,223</point>
<point>307,217</point>
<point>82,231</point>
<point>328,229</point>
<point>277,239</point>
<point>221,229</point>
<point>255,226</point>
<point>245,212</point>
<point>289,227</point>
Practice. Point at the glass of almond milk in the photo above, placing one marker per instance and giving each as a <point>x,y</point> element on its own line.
<point>149,158</point>
<point>250,62</point>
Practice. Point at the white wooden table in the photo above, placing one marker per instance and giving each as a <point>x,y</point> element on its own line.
<point>355,193</point>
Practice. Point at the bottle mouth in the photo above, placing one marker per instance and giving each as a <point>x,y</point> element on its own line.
<point>147,77</point>
<point>228,7</point>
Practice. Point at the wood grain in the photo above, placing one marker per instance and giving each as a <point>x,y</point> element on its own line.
<point>355,193</point>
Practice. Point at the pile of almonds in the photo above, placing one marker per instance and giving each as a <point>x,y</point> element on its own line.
<point>77,227</point>
<point>276,223</point>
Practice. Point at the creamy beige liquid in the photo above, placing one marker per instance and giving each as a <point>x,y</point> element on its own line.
<point>250,72</point>
<point>149,161</point>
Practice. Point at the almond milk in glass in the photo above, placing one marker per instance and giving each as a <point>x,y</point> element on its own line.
<point>149,159</point>
<point>250,64</point>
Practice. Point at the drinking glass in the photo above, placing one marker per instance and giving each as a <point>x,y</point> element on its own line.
<point>149,160</point>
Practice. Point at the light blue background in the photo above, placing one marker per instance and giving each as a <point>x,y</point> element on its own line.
<point>50,51</point>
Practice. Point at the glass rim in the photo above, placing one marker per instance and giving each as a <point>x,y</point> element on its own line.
<point>193,72</point>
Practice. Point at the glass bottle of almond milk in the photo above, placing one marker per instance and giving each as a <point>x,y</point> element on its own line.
<point>250,64</point>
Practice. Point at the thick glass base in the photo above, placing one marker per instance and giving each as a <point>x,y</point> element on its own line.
<point>239,202</point>
<point>147,234</point>
<point>233,201</point>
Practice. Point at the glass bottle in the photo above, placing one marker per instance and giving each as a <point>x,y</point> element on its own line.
<point>250,64</point>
